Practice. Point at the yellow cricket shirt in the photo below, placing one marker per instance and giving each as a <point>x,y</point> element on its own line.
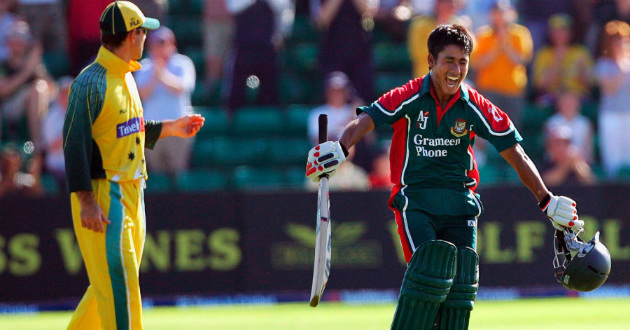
<point>104,130</point>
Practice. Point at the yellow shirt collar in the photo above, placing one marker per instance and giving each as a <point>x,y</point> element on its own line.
<point>115,64</point>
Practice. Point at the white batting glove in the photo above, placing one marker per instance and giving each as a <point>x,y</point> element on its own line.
<point>561,211</point>
<point>325,158</point>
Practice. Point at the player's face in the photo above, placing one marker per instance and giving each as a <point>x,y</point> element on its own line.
<point>140,35</point>
<point>448,70</point>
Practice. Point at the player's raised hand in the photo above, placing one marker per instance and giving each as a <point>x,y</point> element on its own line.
<point>561,211</point>
<point>325,158</point>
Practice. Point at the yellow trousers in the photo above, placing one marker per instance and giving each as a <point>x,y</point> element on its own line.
<point>112,259</point>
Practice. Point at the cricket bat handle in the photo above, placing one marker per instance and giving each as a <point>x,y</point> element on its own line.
<point>323,133</point>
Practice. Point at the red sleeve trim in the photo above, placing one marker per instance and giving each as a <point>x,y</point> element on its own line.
<point>498,120</point>
<point>391,100</point>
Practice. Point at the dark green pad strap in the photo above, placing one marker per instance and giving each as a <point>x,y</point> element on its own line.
<point>426,284</point>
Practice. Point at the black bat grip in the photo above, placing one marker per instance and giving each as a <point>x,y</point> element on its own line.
<point>323,128</point>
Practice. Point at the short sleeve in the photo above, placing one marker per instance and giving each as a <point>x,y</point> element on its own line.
<point>392,106</point>
<point>491,123</point>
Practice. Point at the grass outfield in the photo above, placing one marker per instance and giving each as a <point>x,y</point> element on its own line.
<point>525,314</point>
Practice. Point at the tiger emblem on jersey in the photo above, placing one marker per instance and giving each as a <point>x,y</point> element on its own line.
<point>459,129</point>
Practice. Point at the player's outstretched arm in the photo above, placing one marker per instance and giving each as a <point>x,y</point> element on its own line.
<point>185,127</point>
<point>561,210</point>
<point>356,129</point>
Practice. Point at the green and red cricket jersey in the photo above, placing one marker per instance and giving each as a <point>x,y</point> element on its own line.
<point>431,156</point>
<point>432,147</point>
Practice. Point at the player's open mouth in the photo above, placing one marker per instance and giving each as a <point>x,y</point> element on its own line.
<point>451,82</point>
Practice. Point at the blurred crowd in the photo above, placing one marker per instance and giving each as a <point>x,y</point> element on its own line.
<point>557,57</point>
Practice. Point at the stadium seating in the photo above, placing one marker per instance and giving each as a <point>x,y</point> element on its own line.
<point>222,152</point>
<point>386,81</point>
<point>159,183</point>
<point>297,118</point>
<point>49,184</point>
<point>187,30</point>
<point>288,151</point>
<point>391,57</point>
<point>303,57</point>
<point>303,30</point>
<point>257,178</point>
<point>250,121</point>
<point>57,63</point>
<point>624,173</point>
<point>294,177</point>
<point>228,152</point>
<point>489,174</point>
<point>202,180</point>
<point>191,8</point>
<point>216,121</point>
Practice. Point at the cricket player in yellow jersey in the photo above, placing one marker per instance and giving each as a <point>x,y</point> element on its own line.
<point>104,139</point>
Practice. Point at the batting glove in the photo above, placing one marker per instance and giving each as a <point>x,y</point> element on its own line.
<point>561,211</point>
<point>324,159</point>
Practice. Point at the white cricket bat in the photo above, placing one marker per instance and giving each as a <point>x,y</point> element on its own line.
<point>323,241</point>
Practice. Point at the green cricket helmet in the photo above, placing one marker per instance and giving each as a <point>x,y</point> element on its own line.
<point>585,270</point>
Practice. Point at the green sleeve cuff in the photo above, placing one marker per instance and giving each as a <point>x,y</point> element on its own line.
<point>377,116</point>
<point>153,129</point>
<point>507,141</point>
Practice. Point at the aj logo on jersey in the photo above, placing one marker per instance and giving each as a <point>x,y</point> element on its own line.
<point>459,129</point>
<point>423,117</point>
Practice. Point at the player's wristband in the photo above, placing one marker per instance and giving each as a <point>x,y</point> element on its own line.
<point>344,149</point>
<point>544,202</point>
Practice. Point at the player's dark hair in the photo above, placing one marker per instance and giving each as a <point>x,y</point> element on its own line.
<point>445,35</point>
<point>113,40</point>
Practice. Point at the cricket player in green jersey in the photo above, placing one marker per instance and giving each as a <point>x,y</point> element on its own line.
<point>435,121</point>
<point>104,139</point>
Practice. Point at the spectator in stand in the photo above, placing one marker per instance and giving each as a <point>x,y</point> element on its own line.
<point>564,164</point>
<point>47,19</point>
<point>612,70</point>
<point>392,17</point>
<point>341,100</point>
<point>260,29</point>
<point>52,133</point>
<point>165,83</point>
<point>218,29</point>
<point>478,10</point>
<point>7,20</point>
<point>568,114</point>
<point>535,14</point>
<point>339,106</point>
<point>445,12</point>
<point>14,182</point>
<point>602,12</point>
<point>24,86</point>
<point>346,41</point>
<point>502,51</point>
<point>84,35</point>
<point>563,65</point>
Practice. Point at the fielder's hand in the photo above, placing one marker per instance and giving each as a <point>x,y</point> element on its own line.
<point>561,211</point>
<point>324,159</point>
